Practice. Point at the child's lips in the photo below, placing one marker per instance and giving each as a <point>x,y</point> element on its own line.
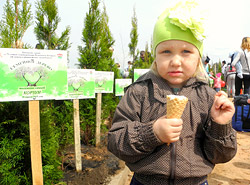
<point>175,73</point>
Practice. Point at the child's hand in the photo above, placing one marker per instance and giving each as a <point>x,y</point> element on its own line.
<point>222,110</point>
<point>168,130</point>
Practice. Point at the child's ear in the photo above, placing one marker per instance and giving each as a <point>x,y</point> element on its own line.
<point>198,63</point>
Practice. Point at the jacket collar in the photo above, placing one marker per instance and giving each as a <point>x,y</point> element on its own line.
<point>161,89</point>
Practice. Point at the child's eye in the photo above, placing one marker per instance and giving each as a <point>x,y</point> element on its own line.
<point>166,51</point>
<point>186,51</point>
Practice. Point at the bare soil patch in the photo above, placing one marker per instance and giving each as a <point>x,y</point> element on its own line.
<point>236,171</point>
<point>98,166</point>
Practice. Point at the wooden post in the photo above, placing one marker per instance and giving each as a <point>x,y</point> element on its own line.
<point>35,142</point>
<point>98,118</point>
<point>78,159</point>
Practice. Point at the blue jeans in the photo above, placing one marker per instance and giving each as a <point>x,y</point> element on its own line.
<point>135,182</point>
<point>217,89</point>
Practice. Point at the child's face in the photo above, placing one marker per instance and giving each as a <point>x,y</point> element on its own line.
<point>176,61</point>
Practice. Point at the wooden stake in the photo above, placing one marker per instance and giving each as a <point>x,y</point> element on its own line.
<point>98,118</point>
<point>78,159</point>
<point>35,142</point>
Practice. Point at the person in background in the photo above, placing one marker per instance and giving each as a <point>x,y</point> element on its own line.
<point>211,81</point>
<point>231,72</point>
<point>217,81</point>
<point>206,66</point>
<point>130,65</point>
<point>229,77</point>
<point>174,151</point>
<point>118,65</point>
<point>142,55</point>
<point>223,67</point>
<point>206,62</point>
<point>244,57</point>
<point>120,69</point>
<point>128,69</point>
<point>238,66</point>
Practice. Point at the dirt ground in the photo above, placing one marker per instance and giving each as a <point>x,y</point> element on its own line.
<point>236,171</point>
<point>99,166</point>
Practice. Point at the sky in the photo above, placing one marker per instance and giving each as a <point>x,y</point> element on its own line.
<point>227,24</point>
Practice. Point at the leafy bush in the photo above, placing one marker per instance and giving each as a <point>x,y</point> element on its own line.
<point>87,120</point>
<point>12,156</point>
<point>14,144</point>
<point>56,132</point>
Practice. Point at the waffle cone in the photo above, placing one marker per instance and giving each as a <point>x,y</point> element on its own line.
<point>175,106</point>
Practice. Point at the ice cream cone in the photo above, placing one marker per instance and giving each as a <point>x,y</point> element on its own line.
<point>175,106</point>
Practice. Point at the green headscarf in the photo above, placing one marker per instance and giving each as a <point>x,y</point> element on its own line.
<point>180,23</point>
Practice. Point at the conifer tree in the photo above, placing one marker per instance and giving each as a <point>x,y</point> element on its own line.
<point>134,38</point>
<point>17,18</point>
<point>90,52</point>
<point>47,20</point>
<point>96,53</point>
<point>14,148</point>
<point>54,122</point>
<point>106,43</point>
<point>148,58</point>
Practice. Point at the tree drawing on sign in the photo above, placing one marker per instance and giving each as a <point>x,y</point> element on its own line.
<point>31,75</point>
<point>76,83</point>
<point>122,86</point>
<point>100,82</point>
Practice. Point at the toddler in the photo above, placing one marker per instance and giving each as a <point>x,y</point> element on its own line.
<point>174,151</point>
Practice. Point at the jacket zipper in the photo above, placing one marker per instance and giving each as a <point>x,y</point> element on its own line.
<point>172,163</point>
<point>173,157</point>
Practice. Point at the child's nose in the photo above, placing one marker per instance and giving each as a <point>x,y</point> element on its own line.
<point>176,60</point>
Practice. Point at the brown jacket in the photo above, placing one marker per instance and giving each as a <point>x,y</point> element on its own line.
<point>202,143</point>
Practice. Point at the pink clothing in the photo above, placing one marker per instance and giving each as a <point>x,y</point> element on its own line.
<point>217,82</point>
<point>218,75</point>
